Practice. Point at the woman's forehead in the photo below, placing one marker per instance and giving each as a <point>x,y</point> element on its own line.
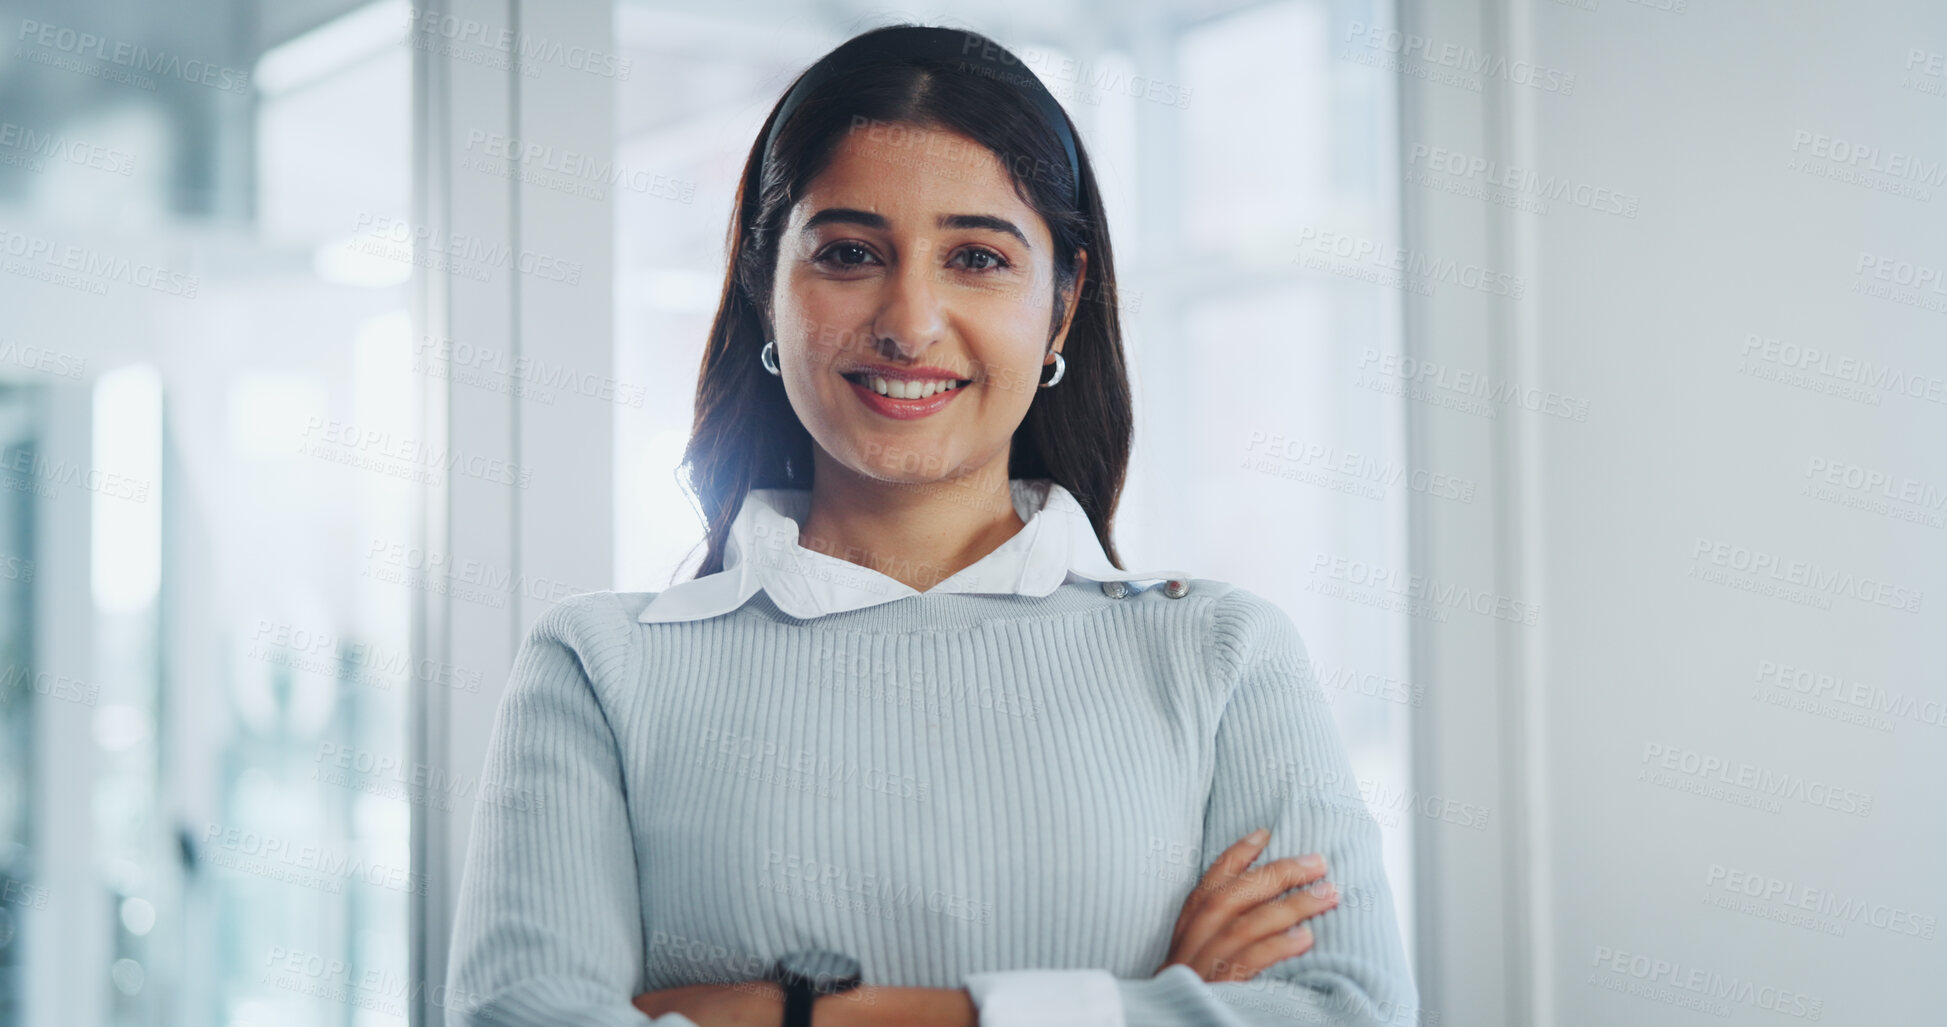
<point>915,175</point>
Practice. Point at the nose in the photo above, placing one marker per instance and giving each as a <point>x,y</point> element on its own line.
<point>912,316</point>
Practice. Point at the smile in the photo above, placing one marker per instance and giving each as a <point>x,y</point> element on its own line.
<point>904,400</point>
<point>897,388</point>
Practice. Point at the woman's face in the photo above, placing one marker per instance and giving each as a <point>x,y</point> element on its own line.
<point>912,305</point>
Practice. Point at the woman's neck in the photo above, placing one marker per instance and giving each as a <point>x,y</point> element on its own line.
<point>917,534</point>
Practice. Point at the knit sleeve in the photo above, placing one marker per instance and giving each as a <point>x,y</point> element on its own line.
<point>548,928</point>
<point>1281,764</point>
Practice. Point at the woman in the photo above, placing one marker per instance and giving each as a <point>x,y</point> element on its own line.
<point>911,716</point>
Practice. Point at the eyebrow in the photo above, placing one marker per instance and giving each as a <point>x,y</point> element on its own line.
<point>867,219</point>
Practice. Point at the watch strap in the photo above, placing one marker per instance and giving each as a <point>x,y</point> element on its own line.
<point>808,974</point>
<point>798,997</point>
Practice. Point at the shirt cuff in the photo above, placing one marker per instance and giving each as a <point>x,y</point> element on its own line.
<point>1046,998</point>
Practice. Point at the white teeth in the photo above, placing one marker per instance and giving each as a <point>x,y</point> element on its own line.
<point>899,389</point>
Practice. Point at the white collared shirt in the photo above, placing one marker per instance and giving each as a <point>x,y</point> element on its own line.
<point>1057,546</point>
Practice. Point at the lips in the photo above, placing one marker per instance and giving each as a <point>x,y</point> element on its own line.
<point>901,409</point>
<point>900,387</point>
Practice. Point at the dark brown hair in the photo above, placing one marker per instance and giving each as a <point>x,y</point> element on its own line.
<point>1078,433</point>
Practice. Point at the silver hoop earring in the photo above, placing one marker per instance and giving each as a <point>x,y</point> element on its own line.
<point>1061,367</point>
<point>769,356</point>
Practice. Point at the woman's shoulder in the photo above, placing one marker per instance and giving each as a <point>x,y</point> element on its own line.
<point>631,604</point>
<point>1233,607</point>
<point>598,626</point>
<point>594,632</point>
<point>1243,625</point>
<point>586,611</point>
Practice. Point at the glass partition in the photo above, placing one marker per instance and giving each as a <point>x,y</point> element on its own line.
<point>207,402</point>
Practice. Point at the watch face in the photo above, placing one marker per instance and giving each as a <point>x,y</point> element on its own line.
<point>826,971</point>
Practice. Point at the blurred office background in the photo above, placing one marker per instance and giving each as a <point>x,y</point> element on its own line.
<point>1519,350</point>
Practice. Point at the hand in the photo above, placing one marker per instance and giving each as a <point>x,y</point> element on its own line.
<point>1231,927</point>
<point>745,1004</point>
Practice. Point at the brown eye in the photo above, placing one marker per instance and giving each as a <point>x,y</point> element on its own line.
<point>849,249</point>
<point>991,261</point>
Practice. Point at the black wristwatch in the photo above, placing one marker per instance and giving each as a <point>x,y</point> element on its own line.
<point>808,973</point>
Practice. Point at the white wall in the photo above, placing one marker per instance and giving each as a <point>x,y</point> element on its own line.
<point>1708,116</point>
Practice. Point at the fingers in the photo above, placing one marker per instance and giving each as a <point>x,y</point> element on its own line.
<point>1233,860</point>
<point>1225,902</point>
<point>1227,865</point>
<point>1270,919</point>
<point>1280,945</point>
<point>1267,881</point>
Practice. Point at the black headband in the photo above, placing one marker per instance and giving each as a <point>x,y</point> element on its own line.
<point>975,53</point>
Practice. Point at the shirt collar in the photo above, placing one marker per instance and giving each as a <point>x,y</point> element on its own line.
<point>1057,546</point>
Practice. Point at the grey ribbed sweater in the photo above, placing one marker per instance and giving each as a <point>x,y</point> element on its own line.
<point>940,785</point>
